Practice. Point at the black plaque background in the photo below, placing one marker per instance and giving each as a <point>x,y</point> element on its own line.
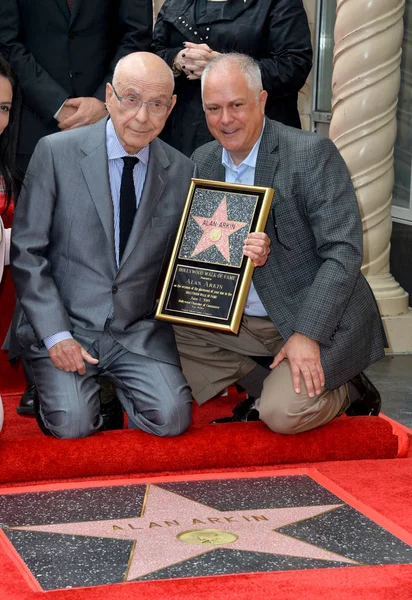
<point>221,300</point>
<point>200,263</point>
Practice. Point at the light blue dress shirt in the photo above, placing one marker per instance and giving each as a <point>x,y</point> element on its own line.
<point>115,152</point>
<point>245,174</point>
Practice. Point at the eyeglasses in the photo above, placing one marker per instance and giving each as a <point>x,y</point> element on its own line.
<point>131,104</point>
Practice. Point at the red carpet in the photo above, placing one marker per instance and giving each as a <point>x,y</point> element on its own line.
<point>203,446</point>
<point>380,485</point>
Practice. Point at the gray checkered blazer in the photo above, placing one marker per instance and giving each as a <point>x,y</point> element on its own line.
<point>312,282</point>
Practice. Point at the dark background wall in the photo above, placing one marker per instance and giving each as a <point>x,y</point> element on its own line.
<point>401,256</point>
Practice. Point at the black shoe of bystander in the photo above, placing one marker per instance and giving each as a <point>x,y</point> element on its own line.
<point>368,401</point>
<point>25,406</point>
<point>243,412</point>
<point>110,407</point>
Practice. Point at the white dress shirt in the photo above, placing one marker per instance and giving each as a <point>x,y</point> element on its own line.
<point>245,174</point>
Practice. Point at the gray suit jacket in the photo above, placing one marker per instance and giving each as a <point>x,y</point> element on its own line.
<point>63,254</point>
<point>311,282</point>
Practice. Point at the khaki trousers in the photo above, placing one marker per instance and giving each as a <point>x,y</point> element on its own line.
<point>213,360</point>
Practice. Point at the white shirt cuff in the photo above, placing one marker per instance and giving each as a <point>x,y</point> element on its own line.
<point>52,340</point>
<point>56,114</point>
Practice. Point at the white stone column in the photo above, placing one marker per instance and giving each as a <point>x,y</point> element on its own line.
<point>366,80</point>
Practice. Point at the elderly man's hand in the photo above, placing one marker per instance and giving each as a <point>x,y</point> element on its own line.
<point>88,111</point>
<point>257,247</point>
<point>303,354</point>
<point>69,356</point>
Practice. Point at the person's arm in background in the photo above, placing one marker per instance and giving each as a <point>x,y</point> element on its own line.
<point>161,40</point>
<point>135,23</point>
<point>42,94</point>
<point>4,247</point>
<point>5,242</point>
<point>289,62</point>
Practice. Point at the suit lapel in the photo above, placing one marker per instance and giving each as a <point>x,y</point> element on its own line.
<point>64,8</point>
<point>96,173</point>
<point>155,183</point>
<point>212,167</point>
<point>268,156</point>
<point>75,9</point>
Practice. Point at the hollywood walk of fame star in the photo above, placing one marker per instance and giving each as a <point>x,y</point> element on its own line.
<point>216,231</point>
<point>173,529</point>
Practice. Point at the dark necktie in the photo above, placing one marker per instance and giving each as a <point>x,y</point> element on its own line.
<point>127,202</point>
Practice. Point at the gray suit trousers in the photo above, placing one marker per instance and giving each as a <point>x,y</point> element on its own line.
<point>154,394</point>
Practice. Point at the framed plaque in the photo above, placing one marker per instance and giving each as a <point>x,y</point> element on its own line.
<point>208,278</point>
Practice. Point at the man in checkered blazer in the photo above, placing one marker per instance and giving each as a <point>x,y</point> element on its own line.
<point>309,307</point>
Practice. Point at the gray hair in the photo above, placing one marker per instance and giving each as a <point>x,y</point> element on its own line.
<point>247,65</point>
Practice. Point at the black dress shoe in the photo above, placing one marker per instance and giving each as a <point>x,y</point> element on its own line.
<point>369,400</point>
<point>26,403</point>
<point>110,407</point>
<point>243,412</point>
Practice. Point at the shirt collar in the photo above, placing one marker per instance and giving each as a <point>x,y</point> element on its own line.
<point>250,160</point>
<point>115,149</point>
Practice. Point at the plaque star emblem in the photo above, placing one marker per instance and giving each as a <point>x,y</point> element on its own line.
<point>173,529</point>
<point>216,231</point>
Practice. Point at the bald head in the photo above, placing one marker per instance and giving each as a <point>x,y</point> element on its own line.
<point>146,66</point>
<point>140,99</point>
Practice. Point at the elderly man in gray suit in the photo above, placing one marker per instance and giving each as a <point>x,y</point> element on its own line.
<point>93,230</point>
<point>309,308</point>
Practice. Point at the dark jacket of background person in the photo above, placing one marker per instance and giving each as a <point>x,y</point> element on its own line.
<point>274,32</point>
<point>57,53</point>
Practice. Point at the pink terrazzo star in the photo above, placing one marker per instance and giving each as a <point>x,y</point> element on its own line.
<point>160,533</point>
<point>217,230</point>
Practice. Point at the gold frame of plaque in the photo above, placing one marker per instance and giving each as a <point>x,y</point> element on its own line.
<point>208,277</point>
